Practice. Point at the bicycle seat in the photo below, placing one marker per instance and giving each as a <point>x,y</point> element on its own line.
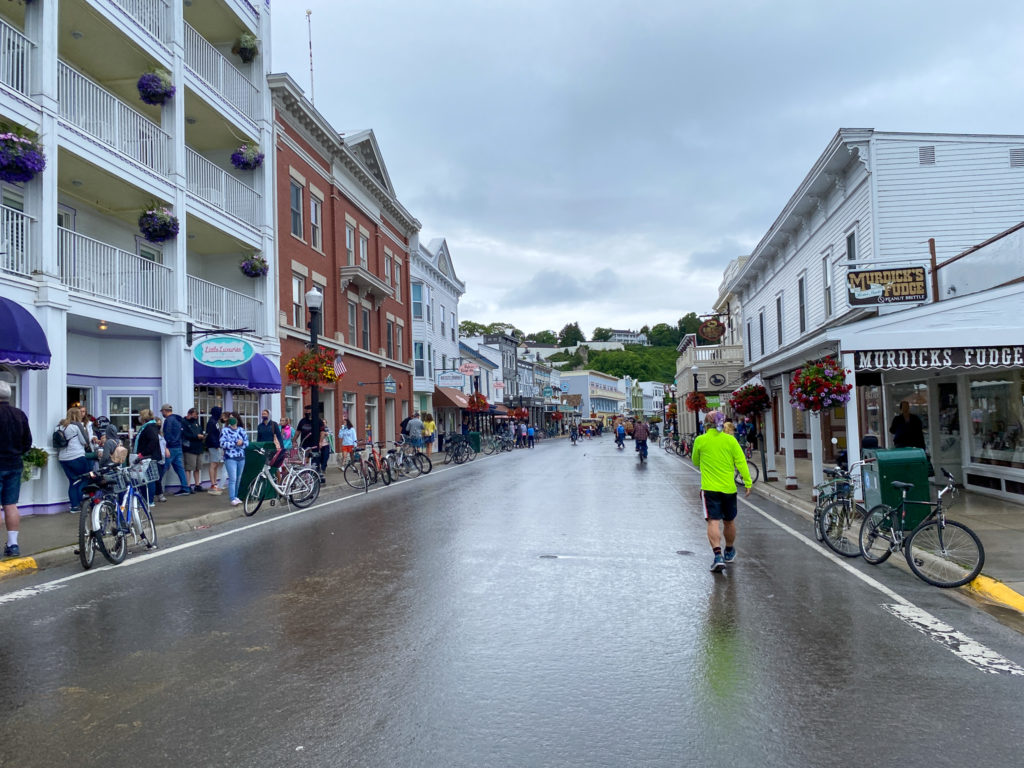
<point>831,472</point>
<point>901,485</point>
<point>392,450</point>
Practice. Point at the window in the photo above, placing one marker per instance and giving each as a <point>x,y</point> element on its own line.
<point>124,411</point>
<point>348,408</point>
<point>801,299</point>
<point>417,301</point>
<point>761,323</point>
<point>826,285</point>
<point>430,361</point>
<point>364,251</point>
<point>298,300</point>
<point>419,362</point>
<point>452,327</point>
<point>350,244</point>
<point>778,320</point>
<point>429,305</point>
<point>293,402</point>
<point>149,251</point>
<point>366,328</point>
<point>398,282</point>
<point>444,362</point>
<point>442,316</point>
<point>315,234</point>
<point>390,341</point>
<point>11,377</point>
<point>387,269</point>
<point>399,333</point>
<point>352,313</point>
<point>750,342</point>
<point>296,209</point>
<point>851,246</point>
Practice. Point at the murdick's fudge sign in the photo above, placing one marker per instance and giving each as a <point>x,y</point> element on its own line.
<point>943,357</point>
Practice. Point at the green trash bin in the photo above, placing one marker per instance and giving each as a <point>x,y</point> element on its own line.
<point>909,465</point>
<point>474,441</point>
<point>254,462</point>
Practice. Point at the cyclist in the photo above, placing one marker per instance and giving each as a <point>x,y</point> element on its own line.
<point>717,455</point>
<point>640,434</point>
<point>574,434</point>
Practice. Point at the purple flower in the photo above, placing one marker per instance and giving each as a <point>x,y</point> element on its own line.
<point>158,225</point>
<point>155,87</point>
<point>20,158</point>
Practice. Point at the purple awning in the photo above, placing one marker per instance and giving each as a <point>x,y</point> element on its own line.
<point>22,341</point>
<point>257,375</point>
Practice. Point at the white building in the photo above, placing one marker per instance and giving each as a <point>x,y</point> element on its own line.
<point>436,291</point>
<point>113,307</point>
<point>653,393</point>
<point>629,337</point>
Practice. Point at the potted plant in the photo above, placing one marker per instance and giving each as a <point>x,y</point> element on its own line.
<point>246,47</point>
<point>819,385</point>
<point>21,158</point>
<point>156,87</point>
<point>696,401</point>
<point>247,157</point>
<point>33,462</point>
<point>254,266</point>
<point>750,400</point>
<point>157,223</point>
<point>312,366</point>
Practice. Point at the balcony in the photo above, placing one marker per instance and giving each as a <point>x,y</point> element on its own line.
<point>16,254</point>
<point>88,106</point>
<point>91,267</point>
<point>15,50</point>
<point>221,190</point>
<point>215,70</point>
<point>152,15</point>
<point>219,307</point>
<point>366,283</point>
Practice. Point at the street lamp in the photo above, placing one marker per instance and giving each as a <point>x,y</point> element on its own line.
<point>696,414</point>
<point>672,397</point>
<point>314,300</point>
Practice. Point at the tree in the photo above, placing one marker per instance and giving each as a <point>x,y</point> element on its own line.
<point>542,337</point>
<point>469,328</point>
<point>602,334</point>
<point>571,335</point>
<point>688,324</point>
<point>663,335</point>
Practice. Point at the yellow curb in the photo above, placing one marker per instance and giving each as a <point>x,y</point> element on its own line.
<point>996,590</point>
<point>17,565</point>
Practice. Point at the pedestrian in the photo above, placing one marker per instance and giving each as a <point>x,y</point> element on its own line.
<point>286,433</point>
<point>214,453</point>
<point>111,451</point>
<point>172,432</point>
<point>906,429</point>
<point>15,441</point>
<point>324,449</point>
<point>718,456</point>
<point>147,446</point>
<point>347,439</point>
<point>192,446</point>
<point>415,428</point>
<point>233,440</point>
<point>429,427</point>
<point>305,429</point>
<point>531,432</point>
<point>729,428</point>
<point>72,455</point>
<point>268,430</point>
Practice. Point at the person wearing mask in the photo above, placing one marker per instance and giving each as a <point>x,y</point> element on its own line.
<point>233,440</point>
<point>268,430</point>
<point>192,447</point>
<point>305,429</point>
<point>147,446</point>
<point>15,441</point>
<point>72,456</point>
<point>215,454</point>
<point>286,433</point>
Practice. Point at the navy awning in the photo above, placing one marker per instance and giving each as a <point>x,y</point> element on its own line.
<point>23,344</point>
<point>257,375</point>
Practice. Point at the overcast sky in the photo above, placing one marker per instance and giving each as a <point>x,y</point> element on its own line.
<point>601,162</point>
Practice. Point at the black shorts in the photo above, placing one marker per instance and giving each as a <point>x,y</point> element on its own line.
<point>719,505</point>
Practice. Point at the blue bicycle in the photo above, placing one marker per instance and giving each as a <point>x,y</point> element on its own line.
<point>131,514</point>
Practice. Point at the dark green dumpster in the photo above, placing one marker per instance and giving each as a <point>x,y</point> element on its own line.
<point>254,462</point>
<point>909,465</point>
<point>474,441</point>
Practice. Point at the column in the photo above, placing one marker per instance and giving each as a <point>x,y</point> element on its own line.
<point>769,447</point>
<point>816,449</point>
<point>852,415</point>
<point>787,445</point>
<point>47,401</point>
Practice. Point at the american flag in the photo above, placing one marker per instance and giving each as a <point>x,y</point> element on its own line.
<point>339,366</point>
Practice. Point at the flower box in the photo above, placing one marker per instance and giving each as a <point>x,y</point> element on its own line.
<point>156,87</point>
<point>158,224</point>
<point>20,158</point>
<point>254,266</point>
<point>820,385</point>
<point>247,157</point>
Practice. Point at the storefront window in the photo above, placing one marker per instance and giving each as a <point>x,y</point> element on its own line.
<point>8,375</point>
<point>293,403</point>
<point>916,395</point>
<point>123,411</point>
<point>872,411</point>
<point>348,409</point>
<point>947,450</point>
<point>370,418</point>
<point>996,429</point>
<point>247,405</point>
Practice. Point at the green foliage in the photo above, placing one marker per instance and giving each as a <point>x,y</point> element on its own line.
<point>571,335</point>
<point>542,337</point>
<point>469,328</point>
<point>641,363</point>
<point>601,334</point>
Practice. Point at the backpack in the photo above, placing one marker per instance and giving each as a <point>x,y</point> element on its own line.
<point>59,439</point>
<point>405,425</point>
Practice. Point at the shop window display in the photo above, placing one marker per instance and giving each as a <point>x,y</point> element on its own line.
<point>914,393</point>
<point>247,405</point>
<point>123,411</point>
<point>996,426</point>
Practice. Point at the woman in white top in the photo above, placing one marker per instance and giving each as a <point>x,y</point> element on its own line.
<point>72,456</point>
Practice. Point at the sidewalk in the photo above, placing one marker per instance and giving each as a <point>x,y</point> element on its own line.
<point>999,525</point>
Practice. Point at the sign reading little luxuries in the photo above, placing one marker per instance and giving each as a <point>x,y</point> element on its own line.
<point>869,287</point>
<point>223,352</point>
<point>936,359</point>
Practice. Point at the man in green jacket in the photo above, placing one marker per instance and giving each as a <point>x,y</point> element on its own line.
<point>718,455</point>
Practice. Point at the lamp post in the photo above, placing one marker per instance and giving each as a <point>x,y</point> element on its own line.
<point>672,397</point>
<point>314,300</point>
<point>696,414</point>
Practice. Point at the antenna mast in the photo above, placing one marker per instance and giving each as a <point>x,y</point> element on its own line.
<point>309,26</point>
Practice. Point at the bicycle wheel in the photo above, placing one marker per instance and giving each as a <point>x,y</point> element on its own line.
<point>87,544</point>
<point>947,555</point>
<point>423,463</point>
<point>877,538</point>
<point>817,521</point>
<point>383,472</point>
<point>449,454</point>
<point>755,473</point>
<point>254,498</point>
<point>143,527</point>
<point>489,447</point>
<point>353,475</point>
<point>303,488</point>
<point>114,544</point>
<point>839,526</point>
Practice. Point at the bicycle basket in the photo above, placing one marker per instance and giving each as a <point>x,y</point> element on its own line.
<point>145,472</point>
<point>115,480</point>
<point>844,489</point>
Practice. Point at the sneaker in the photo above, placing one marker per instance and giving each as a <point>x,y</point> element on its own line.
<point>183,492</point>
<point>235,502</point>
<point>215,491</point>
<point>161,497</point>
<point>729,555</point>
<point>12,550</point>
<point>719,565</point>
<point>198,489</point>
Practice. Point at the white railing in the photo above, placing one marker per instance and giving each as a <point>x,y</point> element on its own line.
<point>15,50</point>
<point>153,15</point>
<point>99,113</point>
<point>720,353</point>
<point>16,254</point>
<point>219,307</point>
<point>219,188</point>
<point>211,65</point>
<point>89,266</point>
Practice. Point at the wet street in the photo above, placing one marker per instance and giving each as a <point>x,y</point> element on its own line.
<point>550,607</point>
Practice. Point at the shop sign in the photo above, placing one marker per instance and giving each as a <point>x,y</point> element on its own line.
<point>567,408</point>
<point>714,402</point>
<point>870,287</point>
<point>469,369</point>
<point>937,359</point>
<point>452,379</point>
<point>548,392</point>
<point>223,352</point>
<point>390,387</point>
<point>711,330</point>
<point>499,385</point>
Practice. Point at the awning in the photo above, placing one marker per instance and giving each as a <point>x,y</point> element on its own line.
<point>23,344</point>
<point>257,375</point>
<point>446,397</point>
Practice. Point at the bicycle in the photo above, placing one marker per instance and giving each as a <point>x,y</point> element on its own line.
<point>685,446</point>
<point>404,459</point>
<point>458,450</point>
<point>755,473</point>
<point>357,472</point>
<point>300,487</point>
<point>97,516</point>
<point>837,517</point>
<point>940,552</point>
<point>129,514</point>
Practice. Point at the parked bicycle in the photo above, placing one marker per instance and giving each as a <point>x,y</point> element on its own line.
<point>941,552</point>
<point>358,473</point>
<point>97,516</point>
<point>458,450</point>
<point>837,516</point>
<point>117,513</point>
<point>404,460</point>
<point>300,486</point>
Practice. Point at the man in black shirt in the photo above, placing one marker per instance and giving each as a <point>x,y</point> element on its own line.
<point>906,429</point>
<point>15,440</point>
<point>305,429</point>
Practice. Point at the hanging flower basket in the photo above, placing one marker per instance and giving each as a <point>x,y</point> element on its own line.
<point>672,411</point>
<point>312,367</point>
<point>521,414</point>
<point>695,401</point>
<point>158,224</point>
<point>750,400</point>
<point>156,87</point>
<point>254,266</point>
<point>247,157</point>
<point>20,158</point>
<point>477,403</point>
<point>246,47</point>
<point>557,416</point>
<point>33,462</point>
<point>819,385</point>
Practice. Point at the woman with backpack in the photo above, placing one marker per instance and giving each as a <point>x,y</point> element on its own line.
<point>72,442</point>
<point>147,445</point>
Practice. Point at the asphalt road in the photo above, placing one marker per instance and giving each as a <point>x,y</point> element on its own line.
<point>550,607</point>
